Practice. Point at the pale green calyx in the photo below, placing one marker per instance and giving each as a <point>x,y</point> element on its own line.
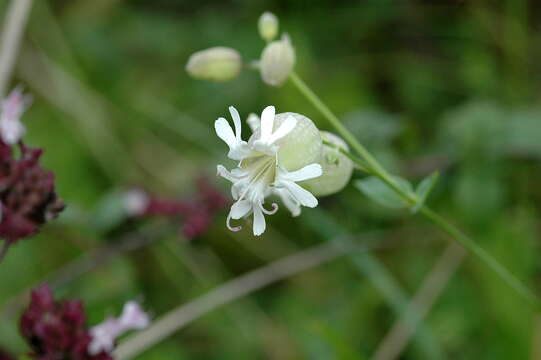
<point>268,26</point>
<point>337,167</point>
<point>215,64</point>
<point>277,61</point>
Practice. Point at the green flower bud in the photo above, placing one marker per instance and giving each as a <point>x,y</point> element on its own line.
<point>268,26</point>
<point>337,168</point>
<point>277,61</point>
<point>215,64</point>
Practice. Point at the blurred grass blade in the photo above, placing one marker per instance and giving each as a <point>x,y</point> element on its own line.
<point>368,265</point>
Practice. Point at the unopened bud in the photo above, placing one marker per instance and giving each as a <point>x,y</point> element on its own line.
<point>268,26</point>
<point>337,167</point>
<point>277,61</point>
<point>215,64</point>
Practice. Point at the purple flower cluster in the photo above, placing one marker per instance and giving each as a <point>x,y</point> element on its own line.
<point>56,330</point>
<point>196,212</point>
<point>27,191</point>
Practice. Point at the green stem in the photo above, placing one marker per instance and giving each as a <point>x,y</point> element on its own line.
<point>369,162</point>
<point>472,246</point>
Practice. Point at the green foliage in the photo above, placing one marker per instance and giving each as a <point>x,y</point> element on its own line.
<point>380,192</point>
<point>428,87</point>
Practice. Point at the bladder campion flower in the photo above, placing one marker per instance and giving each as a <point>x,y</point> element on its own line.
<point>281,152</point>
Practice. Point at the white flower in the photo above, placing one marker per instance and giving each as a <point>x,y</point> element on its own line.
<point>12,108</point>
<point>105,334</point>
<point>259,173</point>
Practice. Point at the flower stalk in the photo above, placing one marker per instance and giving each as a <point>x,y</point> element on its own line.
<point>370,164</point>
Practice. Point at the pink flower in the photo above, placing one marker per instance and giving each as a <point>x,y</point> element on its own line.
<point>12,108</point>
<point>105,334</point>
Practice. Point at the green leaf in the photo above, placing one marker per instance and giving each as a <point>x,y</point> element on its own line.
<point>377,190</point>
<point>424,188</point>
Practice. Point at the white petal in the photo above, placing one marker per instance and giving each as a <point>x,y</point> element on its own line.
<point>253,121</point>
<point>308,172</point>
<point>223,172</point>
<point>236,121</point>
<point>259,221</point>
<point>293,206</point>
<point>239,152</point>
<point>224,132</point>
<point>240,209</point>
<point>236,190</point>
<point>284,129</point>
<point>303,196</point>
<point>267,122</point>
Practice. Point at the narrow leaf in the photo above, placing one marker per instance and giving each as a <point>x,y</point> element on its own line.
<point>377,190</point>
<point>424,188</point>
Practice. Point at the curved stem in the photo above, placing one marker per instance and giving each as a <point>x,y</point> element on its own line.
<point>369,162</point>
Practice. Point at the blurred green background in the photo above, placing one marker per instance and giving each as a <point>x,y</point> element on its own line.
<point>444,85</point>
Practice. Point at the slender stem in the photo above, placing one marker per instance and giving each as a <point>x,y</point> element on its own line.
<point>14,24</point>
<point>373,166</point>
<point>228,292</point>
<point>472,246</point>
